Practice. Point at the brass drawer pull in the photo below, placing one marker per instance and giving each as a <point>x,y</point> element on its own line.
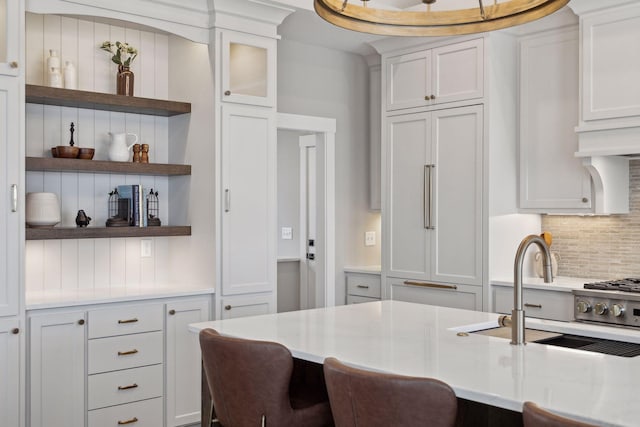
<point>227,307</point>
<point>172,312</point>
<point>363,286</point>
<point>533,305</point>
<point>429,285</point>
<point>13,64</point>
<point>15,331</point>
<point>127,353</point>
<point>131,421</point>
<point>134,320</point>
<point>127,387</point>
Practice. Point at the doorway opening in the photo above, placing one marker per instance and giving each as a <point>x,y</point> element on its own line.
<point>306,244</point>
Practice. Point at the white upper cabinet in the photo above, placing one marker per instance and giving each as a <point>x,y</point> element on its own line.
<point>435,76</point>
<point>611,63</point>
<point>10,19</point>
<point>248,69</point>
<point>249,204</point>
<point>552,178</point>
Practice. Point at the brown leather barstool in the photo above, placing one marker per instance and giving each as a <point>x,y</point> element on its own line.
<point>363,398</point>
<point>534,416</point>
<point>253,383</point>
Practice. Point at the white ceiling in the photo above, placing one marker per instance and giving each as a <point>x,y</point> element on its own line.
<point>306,27</point>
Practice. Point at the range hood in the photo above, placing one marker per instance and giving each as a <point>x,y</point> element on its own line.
<point>605,152</point>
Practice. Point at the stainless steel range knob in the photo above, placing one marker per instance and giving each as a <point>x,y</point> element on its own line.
<point>601,308</point>
<point>617,310</point>
<point>583,307</point>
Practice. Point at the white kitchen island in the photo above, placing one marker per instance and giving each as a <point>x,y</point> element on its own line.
<point>422,340</point>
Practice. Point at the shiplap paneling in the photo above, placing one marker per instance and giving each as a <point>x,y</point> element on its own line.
<point>94,263</point>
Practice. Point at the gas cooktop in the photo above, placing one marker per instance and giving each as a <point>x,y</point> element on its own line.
<point>624,285</point>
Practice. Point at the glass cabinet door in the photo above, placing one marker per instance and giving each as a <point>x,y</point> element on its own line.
<point>248,69</point>
<point>9,36</point>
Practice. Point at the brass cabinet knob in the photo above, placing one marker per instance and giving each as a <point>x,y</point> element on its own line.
<point>15,331</point>
<point>172,312</point>
<point>433,97</point>
<point>227,92</point>
<point>427,97</point>
<point>585,200</point>
<point>227,307</point>
<point>13,64</point>
<point>81,322</point>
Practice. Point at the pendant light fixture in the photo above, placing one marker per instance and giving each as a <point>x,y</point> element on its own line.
<point>432,17</point>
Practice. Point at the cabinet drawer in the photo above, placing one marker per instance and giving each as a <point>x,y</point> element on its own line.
<point>147,413</point>
<point>127,351</point>
<point>355,299</point>
<point>538,303</point>
<point>455,296</point>
<point>125,320</point>
<point>128,385</point>
<point>364,285</point>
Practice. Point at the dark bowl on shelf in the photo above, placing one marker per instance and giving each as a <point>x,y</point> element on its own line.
<point>54,151</point>
<point>67,151</point>
<point>86,153</point>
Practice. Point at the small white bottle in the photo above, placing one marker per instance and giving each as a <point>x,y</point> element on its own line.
<point>53,61</point>
<point>55,78</point>
<point>70,76</point>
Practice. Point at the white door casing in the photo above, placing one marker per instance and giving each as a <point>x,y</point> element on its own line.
<point>325,129</point>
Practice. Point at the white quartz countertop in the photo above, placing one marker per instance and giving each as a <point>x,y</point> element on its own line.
<point>422,340</point>
<point>560,283</point>
<point>366,269</point>
<point>55,298</point>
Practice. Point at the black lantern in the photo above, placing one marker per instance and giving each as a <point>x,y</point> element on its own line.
<point>118,210</point>
<point>153,209</point>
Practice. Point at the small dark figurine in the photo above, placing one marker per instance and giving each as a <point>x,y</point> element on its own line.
<point>82,220</point>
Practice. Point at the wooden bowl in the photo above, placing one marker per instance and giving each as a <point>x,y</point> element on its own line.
<point>86,153</point>
<point>67,151</point>
<point>54,151</point>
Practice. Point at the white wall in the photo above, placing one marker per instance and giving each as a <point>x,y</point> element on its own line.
<point>323,82</point>
<point>288,192</point>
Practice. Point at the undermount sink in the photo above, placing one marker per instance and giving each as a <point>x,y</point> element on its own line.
<point>596,345</point>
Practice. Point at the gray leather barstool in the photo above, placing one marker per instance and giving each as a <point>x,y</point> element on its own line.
<point>254,383</point>
<point>534,416</point>
<point>369,399</point>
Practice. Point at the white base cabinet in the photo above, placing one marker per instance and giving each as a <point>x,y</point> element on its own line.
<point>539,303</point>
<point>10,362</point>
<point>126,378</point>
<point>455,296</point>
<point>362,287</point>
<point>56,369</point>
<point>183,361</point>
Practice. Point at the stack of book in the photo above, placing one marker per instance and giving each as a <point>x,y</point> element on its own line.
<point>137,204</point>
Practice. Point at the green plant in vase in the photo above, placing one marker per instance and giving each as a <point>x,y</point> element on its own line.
<point>122,54</point>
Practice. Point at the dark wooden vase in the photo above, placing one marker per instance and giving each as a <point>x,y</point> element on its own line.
<point>124,84</point>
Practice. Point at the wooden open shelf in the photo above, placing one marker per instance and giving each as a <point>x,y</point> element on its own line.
<point>104,101</point>
<point>53,164</point>
<point>104,232</point>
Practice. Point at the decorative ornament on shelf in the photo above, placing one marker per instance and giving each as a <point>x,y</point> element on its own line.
<point>118,210</point>
<point>122,54</point>
<point>153,209</point>
<point>82,219</point>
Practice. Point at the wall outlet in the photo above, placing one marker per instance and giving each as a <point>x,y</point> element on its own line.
<point>145,248</point>
<point>286,233</point>
<point>370,238</point>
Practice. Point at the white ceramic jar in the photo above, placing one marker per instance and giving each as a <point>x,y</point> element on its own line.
<point>42,210</point>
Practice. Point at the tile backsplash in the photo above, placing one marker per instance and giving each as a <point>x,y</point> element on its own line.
<point>604,247</point>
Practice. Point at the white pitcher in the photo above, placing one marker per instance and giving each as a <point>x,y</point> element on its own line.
<point>119,151</point>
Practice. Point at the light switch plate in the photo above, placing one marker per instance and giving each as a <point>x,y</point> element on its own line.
<point>286,233</point>
<point>145,248</point>
<point>370,238</point>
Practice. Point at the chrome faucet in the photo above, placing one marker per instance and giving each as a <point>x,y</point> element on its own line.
<point>517,314</point>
